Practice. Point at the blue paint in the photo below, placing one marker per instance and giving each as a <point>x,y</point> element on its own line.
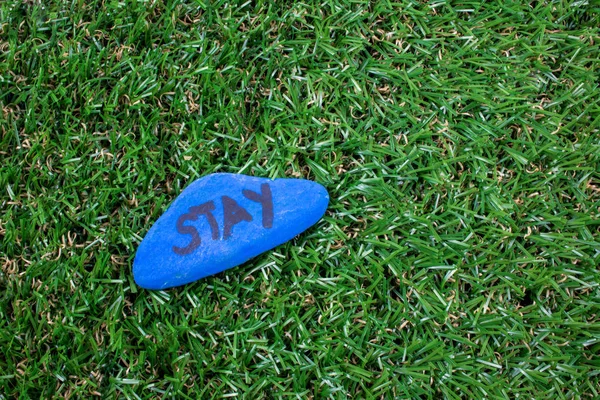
<point>221,221</point>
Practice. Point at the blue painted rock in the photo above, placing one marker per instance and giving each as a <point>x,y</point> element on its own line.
<point>223,220</point>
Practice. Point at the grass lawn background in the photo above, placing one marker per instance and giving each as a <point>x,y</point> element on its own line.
<point>460,146</point>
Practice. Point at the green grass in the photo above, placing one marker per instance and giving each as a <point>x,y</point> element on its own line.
<point>460,146</point>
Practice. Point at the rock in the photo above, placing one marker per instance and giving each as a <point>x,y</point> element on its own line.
<point>222,220</point>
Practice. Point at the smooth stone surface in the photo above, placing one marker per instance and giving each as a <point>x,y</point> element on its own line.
<point>222,220</point>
